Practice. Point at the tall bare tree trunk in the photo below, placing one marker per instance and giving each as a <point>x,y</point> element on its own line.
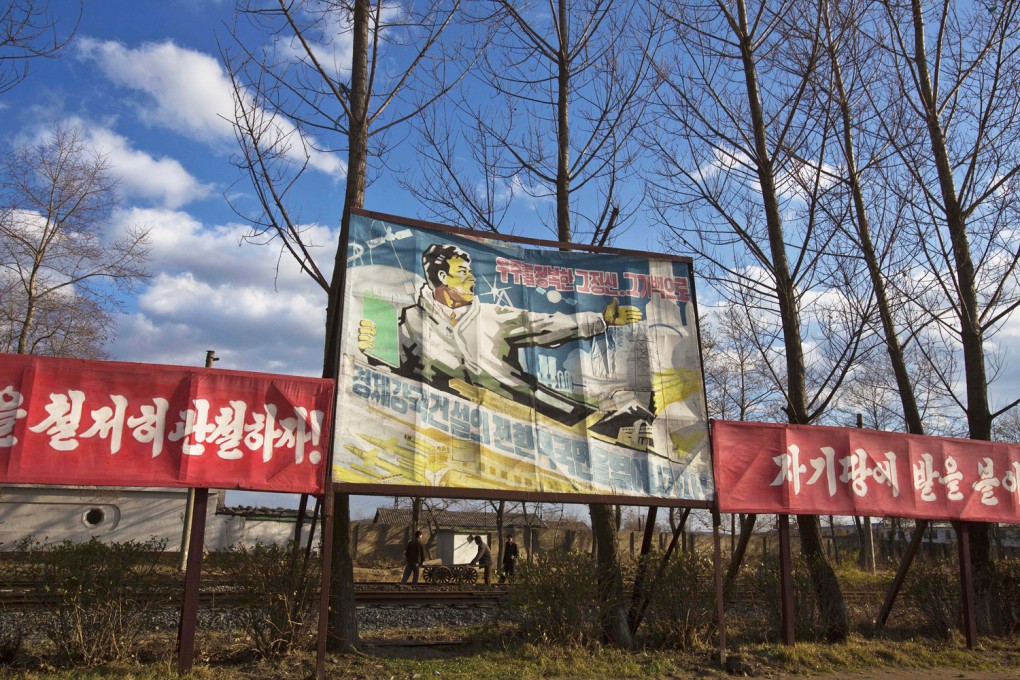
<point>343,622</point>
<point>615,627</point>
<point>835,619</point>
<point>979,416</point>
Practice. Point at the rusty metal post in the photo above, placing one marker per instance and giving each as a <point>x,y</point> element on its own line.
<point>966,584</point>
<point>192,581</point>
<point>327,568</point>
<point>786,581</point>
<point>189,506</point>
<point>720,603</point>
<point>920,526</point>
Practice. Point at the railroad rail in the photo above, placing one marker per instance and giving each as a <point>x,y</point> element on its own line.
<point>221,598</point>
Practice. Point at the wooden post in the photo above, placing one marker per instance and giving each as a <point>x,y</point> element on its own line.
<point>192,581</point>
<point>966,584</point>
<point>908,558</point>
<point>786,581</point>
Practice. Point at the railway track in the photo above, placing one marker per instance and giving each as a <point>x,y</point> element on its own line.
<point>31,598</point>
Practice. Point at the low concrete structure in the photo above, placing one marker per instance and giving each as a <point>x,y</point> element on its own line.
<point>52,514</point>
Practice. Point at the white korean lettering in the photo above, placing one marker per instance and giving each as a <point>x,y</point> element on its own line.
<point>855,471</point>
<point>62,421</point>
<point>263,433</point>
<point>885,473</point>
<point>108,423</point>
<point>825,464</point>
<point>301,432</point>
<point>10,400</point>
<point>150,425</point>
<point>987,483</point>
<point>790,468</point>
<point>951,479</point>
<point>194,429</point>
<point>229,430</point>
<point>925,476</point>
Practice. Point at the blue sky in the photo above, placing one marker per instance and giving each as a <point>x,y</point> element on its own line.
<point>144,82</point>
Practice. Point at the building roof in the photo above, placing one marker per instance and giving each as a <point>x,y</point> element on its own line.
<point>284,514</point>
<point>457,519</point>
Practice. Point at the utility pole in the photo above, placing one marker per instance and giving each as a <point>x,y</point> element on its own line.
<point>869,537</point>
<point>189,508</point>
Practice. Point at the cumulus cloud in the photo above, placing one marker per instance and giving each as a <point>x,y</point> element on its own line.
<point>161,180</point>
<point>213,291</point>
<point>189,92</point>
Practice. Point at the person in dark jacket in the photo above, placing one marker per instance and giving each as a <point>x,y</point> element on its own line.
<point>510,552</point>
<point>414,557</point>
<point>483,558</point>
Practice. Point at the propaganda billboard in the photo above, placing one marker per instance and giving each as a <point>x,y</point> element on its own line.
<point>815,470</point>
<point>105,423</point>
<point>471,363</point>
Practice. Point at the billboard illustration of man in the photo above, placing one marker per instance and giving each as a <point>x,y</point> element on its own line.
<point>448,334</point>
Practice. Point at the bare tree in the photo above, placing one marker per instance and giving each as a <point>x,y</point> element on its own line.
<point>741,152</point>
<point>62,271</point>
<point>738,384</point>
<point>29,31</point>
<point>551,116</point>
<point>951,117</point>
<point>324,94</point>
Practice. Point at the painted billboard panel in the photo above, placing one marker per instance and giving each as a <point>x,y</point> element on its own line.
<point>104,423</point>
<point>814,470</point>
<point>470,363</point>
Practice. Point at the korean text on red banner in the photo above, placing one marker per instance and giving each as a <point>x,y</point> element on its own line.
<point>804,469</point>
<point>65,421</point>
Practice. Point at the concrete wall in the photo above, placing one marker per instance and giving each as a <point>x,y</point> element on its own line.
<point>54,514</point>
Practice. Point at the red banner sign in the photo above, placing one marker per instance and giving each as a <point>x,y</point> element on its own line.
<point>805,469</point>
<point>64,421</point>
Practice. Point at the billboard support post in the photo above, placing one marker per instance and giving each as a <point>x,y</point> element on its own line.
<point>786,581</point>
<point>966,584</point>
<point>720,604</point>
<point>192,580</point>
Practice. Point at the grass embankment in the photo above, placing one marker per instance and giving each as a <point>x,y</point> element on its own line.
<point>493,653</point>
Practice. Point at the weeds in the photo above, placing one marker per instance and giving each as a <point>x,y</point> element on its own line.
<point>681,613</point>
<point>556,599</point>
<point>277,595</point>
<point>103,592</point>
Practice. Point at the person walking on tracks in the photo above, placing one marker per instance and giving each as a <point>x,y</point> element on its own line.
<point>414,557</point>
<point>510,552</point>
<point>484,557</point>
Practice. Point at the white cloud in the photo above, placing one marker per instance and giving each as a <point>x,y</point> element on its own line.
<point>162,180</point>
<point>190,93</point>
<point>210,291</point>
<point>188,90</point>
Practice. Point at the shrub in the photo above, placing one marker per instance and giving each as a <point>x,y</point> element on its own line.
<point>765,597</point>
<point>277,595</point>
<point>102,592</point>
<point>557,599</point>
<point>932,588</point>
<point>16,566</point>
<point>1007,589</point>
<point>682,609</point>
